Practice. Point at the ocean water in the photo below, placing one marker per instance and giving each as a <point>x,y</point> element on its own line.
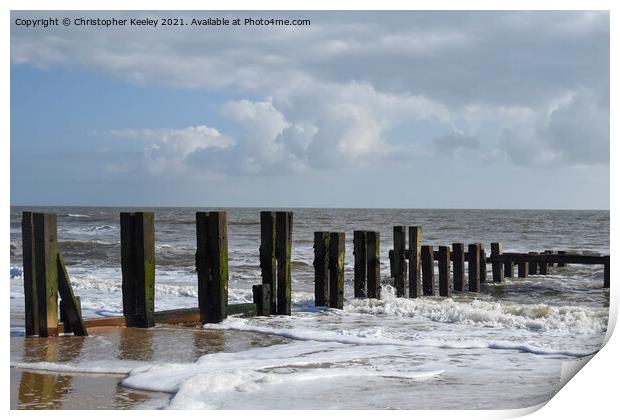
<point>502,348</point>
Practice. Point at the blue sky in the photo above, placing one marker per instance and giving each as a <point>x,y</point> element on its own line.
<point>412,110</point>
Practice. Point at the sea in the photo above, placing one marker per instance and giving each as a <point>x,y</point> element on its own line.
<point>503,348</point>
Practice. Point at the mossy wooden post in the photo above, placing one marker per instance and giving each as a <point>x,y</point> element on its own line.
<point>336,269</point>
<point>415,247</point>
<point>400,243</point>
<point>373,265</point>
<point>533,265</point>
<point>509,269</point>
<point>483,264</point>
<point>523,268</point>
<point>268,266</point>
<point>284,232</point>
<point>606,276</point>
<point>473,267</point>
<point>261,296</point>
<point>46,272</point>
<point>428,270</point>
<point>138,268</point>
<point>561,264</point>
<point>321,268</point>
<point>212,265</point>
<point>70,305</point>
<point>458,266</point>
<point>359,268</point>
<point>444,271</point>
<point>497,249</point>
<point>31,312</point>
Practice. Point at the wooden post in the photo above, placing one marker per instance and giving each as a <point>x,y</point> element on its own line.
<point>261,296</point>
<point>458,266</point>
<point>284,239</point>
<point>359,270</point>
<point>267,251</point>
<point>373,265</point>
<point>336,270</point>
<point>473,267</point>
<point>483,264</point>
<point>415,248</point>
<point>523,269</point>
<point>561,264</point>
<point>444,271</point>
<point>138,268</point>
<point>497,248</point>
<point>321,268</point>
<point>606,276</point>
<point>46,272</point>
<point>549,252</point>
<point>509,268</point>
<point>542,267</point>
<point>428,270</point>
<point>400,243</point>
<point>31,312</point>
<point>70,305</point>
<point>212,266</point>
<point>533,265</point>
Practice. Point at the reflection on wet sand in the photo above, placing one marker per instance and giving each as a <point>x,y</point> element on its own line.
<point>46,390</point>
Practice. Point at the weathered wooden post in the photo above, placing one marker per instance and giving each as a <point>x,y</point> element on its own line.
<point>30,284</point>
<point>284,242</point>
<point>70,309</point>
<point>533,265</point>
<point>212,266</point>
<point>261,296</point>
<point>138,268</point>
<point>359,269</point>
<point>509,269</point>
<point>400,243</point>
<point>428,270</point>
<point>473,267</point>
<point>46,272</point>
<point>321,268</point>
<point>458,266</point>
<point>523,269</point>
<point>444,271</point>
<point>373,265</point>
<point>561,264</point>
<point>606,276</point>
<point>497,249</point>
<point>415,248</point>
<point>267,253</point>
<point>542,266</point>
<point>483,264</point>
<point>336,270</point>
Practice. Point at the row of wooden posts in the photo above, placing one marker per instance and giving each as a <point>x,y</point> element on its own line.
<point>45,275</point>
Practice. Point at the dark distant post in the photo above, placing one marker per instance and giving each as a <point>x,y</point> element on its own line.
<point>458,266</point>
<point>561,264</point>
<point>30,285</point>
<point>267,253</point>
<point>428,270</point>
<point>523,269</point>
<point>509,268</point>
<point>321,268</point>
<point>415,248</point>
<point>483,264</point>
<point>373,265</point>
<point>444,271</point>
<point>533,268</point>
<point>542,266</point>
<point>606,276</point>
<point>336,270</point>
<point>497,249</point>
<point>46,272</point>
<point>359,270</point>
<point>400,243</point>
<point>284,239</point>
<point>473,266</point>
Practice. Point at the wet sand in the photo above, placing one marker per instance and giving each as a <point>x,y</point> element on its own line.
<point>35,389</point>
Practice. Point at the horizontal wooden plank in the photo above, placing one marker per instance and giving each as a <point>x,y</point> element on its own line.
<point>515,257</point>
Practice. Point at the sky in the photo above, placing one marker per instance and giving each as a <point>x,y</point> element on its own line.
<point>358,109</point>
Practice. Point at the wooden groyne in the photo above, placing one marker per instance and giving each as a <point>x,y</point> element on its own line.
<point>412,267</point>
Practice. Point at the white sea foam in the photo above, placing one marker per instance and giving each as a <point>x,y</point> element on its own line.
<point>115,367</point>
